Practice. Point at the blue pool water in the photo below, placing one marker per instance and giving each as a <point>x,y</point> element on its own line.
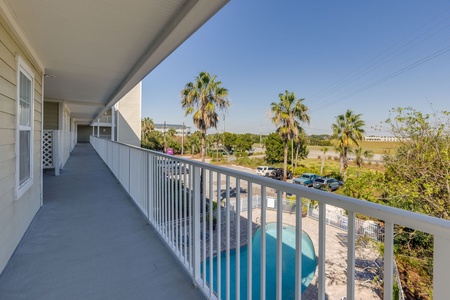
<point>308,265</point>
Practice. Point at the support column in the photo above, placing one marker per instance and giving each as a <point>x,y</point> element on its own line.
<point>113,121</point>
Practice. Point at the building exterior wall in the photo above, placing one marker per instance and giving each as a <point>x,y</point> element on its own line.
<point>179,129</point>
<point>129,117</point>
<point>16,213</point>
<point>51,115</point>
<point>375,138</point>
<point>83,133</point>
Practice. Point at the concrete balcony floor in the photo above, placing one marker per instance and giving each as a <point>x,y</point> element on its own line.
<point>89,241</point>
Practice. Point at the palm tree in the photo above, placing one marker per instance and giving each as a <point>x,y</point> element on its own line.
<point>347,132</point>
<point>194,142</point>
<point>301,151</point>
<point>147,127</point>
<point>201,99</point>
<point>324,151</point>
<point>360,154</point>
<point>287,116</point>
<point>171,132</point>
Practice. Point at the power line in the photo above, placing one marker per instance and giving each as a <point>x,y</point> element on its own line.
<point>384,57</point>
<point>390,76</point>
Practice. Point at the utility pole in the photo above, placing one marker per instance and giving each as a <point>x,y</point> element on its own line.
<point>164,130</point>
<point>260,133</point>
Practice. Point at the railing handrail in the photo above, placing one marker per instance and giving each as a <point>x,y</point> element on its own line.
<point>163,194</point>
<point>425,223</point>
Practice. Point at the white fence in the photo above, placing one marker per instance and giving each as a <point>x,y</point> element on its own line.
<point>334,216</point>
<point>175,193</point>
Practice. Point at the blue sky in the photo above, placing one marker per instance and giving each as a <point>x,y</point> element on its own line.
<point>369,56</point>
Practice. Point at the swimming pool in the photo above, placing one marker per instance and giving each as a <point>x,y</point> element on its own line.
<point>308,264</point>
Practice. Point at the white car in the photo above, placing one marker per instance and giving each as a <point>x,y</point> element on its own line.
<point>264,170</point>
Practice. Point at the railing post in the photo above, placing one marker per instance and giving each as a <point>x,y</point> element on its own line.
<point>196,226</point>
<point>150,188</point>
<point>322,258</point>
<point>298,246</point>
<point>56,152</point>
<point>389,260</point>
<point>441,288</point>
<point>351,233</point>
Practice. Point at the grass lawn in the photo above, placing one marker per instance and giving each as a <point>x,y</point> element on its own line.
<point>376,147</point>
<point>331,166</point>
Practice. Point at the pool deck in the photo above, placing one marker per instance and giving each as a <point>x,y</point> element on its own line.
<point>336,255</point>
<point>336,260</point>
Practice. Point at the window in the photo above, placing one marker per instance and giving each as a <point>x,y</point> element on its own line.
<point>24,135</point>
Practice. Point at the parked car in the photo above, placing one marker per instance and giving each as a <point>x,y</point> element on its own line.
<point>328,184</point>
<point>306,179</point>
<point>264,170</point>
<point>172,167</point>
<point>277,173</point>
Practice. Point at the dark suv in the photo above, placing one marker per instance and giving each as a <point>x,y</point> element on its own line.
<point>277,174</point>
<point>328,184</point>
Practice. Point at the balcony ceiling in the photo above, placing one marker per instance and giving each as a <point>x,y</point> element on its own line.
<point>94,52</point>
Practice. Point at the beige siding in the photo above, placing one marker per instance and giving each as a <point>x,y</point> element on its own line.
<point>51,112</point>
<point>7,104</point>
<point>16,214</point>
<point>129,117</point>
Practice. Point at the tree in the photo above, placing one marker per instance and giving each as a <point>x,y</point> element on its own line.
<point>171,132</point>
<point>320,140</point>
<point>229,140</point>
<point>324,151</point>
<point>338,148</point>
<point>360,154</point>
<point>194,142</point>
<point>201,99</point>
<point>301,150</point>
<point>418,173</point>
<point>274,148</point>
<point>418,179</point>
<point>347,132</point>
<point>369,186</point>
<point>244,142</point>
<point>147,127</point>
<point>287,116</point>
<point>153,141</point>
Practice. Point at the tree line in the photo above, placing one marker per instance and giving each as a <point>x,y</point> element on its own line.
<point>205,97</point>
<point>417,176</point>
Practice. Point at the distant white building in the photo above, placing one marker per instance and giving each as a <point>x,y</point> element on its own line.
<point>180,129</point>
<point>375,138</point>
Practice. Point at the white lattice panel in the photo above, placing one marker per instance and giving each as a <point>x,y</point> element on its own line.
<point>47,157</point>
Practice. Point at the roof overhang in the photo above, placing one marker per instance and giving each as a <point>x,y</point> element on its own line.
<point>94,52</point>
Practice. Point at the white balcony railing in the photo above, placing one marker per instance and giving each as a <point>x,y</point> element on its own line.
<point>178,197</point>
<point>105,119</point>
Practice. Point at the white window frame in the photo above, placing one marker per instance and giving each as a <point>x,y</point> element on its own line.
<point>23,68</point>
